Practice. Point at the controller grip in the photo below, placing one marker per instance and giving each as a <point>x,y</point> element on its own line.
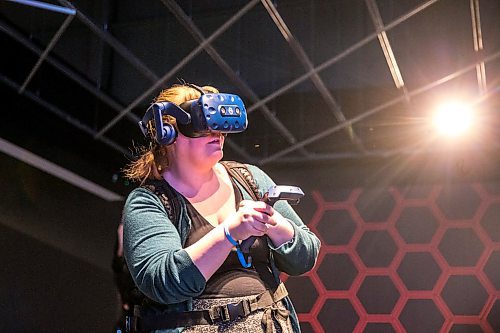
<point>247,244</point>
<point>271,200</point>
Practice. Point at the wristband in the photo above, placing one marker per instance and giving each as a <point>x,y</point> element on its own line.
<point>229,237</point>
<point>241,257</point>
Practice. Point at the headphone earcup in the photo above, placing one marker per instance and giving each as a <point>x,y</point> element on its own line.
<point>169,134</point>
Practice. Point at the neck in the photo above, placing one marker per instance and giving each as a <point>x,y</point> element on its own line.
<point>190,179</point>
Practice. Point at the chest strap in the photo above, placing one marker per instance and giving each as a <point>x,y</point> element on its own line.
<point>214,315</point>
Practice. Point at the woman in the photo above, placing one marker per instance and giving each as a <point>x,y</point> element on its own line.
<point>186,264</point>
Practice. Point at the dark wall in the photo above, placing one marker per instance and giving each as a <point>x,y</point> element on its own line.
<point>47,290</point>
<point>57,243</point>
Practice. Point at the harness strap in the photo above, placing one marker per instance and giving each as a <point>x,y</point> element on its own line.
<point>214,315</point>
<point>280,314</point>
<point>244,177</point>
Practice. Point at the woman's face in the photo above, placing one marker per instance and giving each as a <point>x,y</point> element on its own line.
<point>202,150</point>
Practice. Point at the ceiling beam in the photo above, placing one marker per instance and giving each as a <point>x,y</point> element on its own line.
<point>477,37</point>
<point>189,25</point>
<point>377,109</point>
<point>64,115</point>
<point>46,6</point>
<point>300,53</point>
<point>57,171</point>
<point>113,42</point>
<point>385,44</point>
<point>45,52</point>
<point>177,67</point>
<point>68,72</point>
<point>343,54</point>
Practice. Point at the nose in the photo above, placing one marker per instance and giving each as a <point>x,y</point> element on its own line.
<point>218,134</point>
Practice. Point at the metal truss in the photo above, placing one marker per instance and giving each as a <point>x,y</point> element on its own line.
<point>258,103</point>
<point>373,111</point>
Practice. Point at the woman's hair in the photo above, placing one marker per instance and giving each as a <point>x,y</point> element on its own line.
<point>153,158</point>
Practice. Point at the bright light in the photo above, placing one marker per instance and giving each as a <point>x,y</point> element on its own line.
<point>453,119</point>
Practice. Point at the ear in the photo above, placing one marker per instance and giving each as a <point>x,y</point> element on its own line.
<point>167,135</point>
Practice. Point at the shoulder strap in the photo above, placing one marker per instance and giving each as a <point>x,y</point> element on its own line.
<point>244,177</point>
<point>166,196</point>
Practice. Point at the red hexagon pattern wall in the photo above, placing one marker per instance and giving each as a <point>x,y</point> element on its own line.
<point>403,259</point>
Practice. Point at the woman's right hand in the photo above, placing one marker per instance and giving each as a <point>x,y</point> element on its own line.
<point>251,219</point>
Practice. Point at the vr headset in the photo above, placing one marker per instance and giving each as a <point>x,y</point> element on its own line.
<point>219,113</point>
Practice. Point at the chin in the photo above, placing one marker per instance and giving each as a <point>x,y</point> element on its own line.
<point>215,157</point>
<point>219,156</point>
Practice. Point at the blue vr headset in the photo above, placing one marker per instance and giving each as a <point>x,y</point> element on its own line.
<point>221,113</point>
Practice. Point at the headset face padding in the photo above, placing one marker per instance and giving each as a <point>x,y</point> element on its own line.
<point>196,117</point>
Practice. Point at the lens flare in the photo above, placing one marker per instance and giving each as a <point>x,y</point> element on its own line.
<point>453,119</point>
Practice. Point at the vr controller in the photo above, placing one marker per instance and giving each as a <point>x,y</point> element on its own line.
<point>223,113</point>
<point>292,194</point>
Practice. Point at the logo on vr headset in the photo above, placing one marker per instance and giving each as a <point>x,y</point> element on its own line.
<point>222,113</point>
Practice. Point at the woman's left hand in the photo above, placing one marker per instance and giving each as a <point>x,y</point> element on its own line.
<point>281,231</point>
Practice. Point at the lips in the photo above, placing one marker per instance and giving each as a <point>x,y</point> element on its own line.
<point>214,141</point>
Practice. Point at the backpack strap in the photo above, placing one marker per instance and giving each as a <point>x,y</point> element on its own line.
<point>169,200</point>
<point>240,173</point>
<point>167,197</point>
<point>244,177</point>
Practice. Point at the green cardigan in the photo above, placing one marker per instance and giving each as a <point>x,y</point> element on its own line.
<point>163,270</point>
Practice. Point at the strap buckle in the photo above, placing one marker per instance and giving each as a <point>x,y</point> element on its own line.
<point>231,311</point>
<point>131,324</point>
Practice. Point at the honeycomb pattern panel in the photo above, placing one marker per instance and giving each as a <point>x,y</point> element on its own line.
<point>466,328</point>
<point>419,271</point>
<point>463,193</point>
<point>338,316</point>
<point>306,327</point>
<point>409,259</point>
<point>491,269</point>
<point>493,316</point>
<point>337,227</point>
<point>464,295</point>
<point>337,271</point>
<point>375,205</point>
<point>378,294</point>
<point>421,315</point>
<point>461,247</point>
<point>306,209</point>
<point>379,328</point>
<point>417,225</point>
<point>376,248</point>
<point>302,292</point>
<point>490,222</point>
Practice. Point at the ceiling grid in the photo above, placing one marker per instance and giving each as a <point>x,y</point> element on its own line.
<point>350,97</point>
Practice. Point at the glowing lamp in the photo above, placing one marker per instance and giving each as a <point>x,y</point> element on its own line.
<point>453,119</point>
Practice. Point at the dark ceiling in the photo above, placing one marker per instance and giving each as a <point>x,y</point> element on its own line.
<point>323,80</point>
